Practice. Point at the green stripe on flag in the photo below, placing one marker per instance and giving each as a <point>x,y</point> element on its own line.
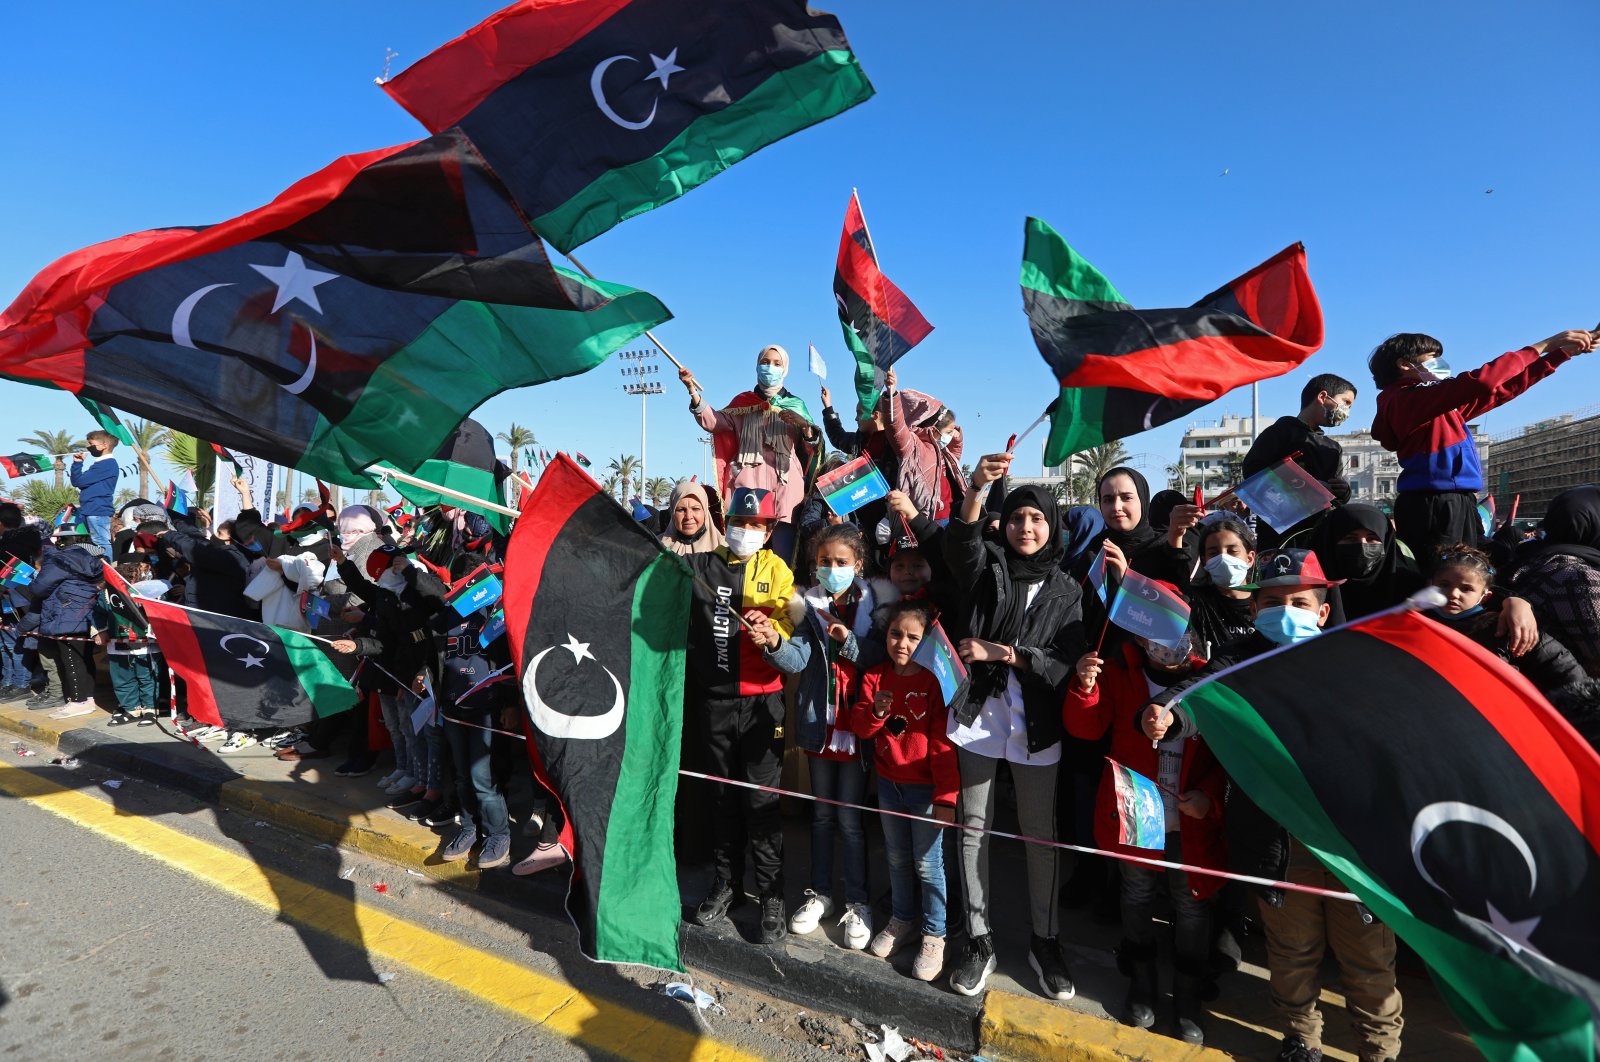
<point>1051,267</point>
<point>1477,985</point>
<point>639,904</point>
<point>785,103</point>
<point>1077,424</point>
<point>326,687</point>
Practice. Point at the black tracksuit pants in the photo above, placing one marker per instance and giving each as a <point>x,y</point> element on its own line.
<point>741,738</point>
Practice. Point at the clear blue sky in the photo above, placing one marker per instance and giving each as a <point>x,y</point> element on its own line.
<point>1369,131</point>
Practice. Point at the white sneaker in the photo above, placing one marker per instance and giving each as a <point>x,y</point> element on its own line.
<point>813,909</point>
<point>404,782</point>
<point>237,740</point>
<point>857,925</point>
<point>389,779</point>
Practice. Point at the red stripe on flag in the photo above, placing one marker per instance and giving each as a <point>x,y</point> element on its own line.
<point>1282,300</point>
<point>443,86</point>
<point>561,490</point>
<point>1206,367</point>
<point>181,647</point>
<point>1554,752</point>
<point>887,302</point>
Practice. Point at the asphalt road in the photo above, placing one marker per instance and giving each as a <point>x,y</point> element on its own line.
<point>112,951</point>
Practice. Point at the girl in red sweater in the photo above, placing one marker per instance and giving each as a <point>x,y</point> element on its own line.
<point>1104,696</point>
<point>902,712</point>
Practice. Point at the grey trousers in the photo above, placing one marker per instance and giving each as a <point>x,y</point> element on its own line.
<point>1036,813</point>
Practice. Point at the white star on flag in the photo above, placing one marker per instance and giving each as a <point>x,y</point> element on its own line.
<point>665,68</point>
<point>579,650</point>
<point>295,281</point>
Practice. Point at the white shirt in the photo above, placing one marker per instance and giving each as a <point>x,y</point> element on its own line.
<point>1000,730</point>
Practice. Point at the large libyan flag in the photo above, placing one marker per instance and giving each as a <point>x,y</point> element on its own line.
<point>597,614</point>
<point>1442,789</point>
<point>356,318</point>
<point>1122,370</point>
<point>594,111</point>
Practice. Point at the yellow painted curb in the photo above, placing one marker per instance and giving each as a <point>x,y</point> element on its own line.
<point>550,1003</point>
<point>1019,1029</point>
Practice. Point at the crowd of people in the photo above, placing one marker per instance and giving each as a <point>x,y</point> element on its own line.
<point>805,633</point>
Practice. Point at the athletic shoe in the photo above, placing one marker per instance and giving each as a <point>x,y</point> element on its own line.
<point>74,709</point>
<point>404,799</point>
<point>718,902</point>
<point>458,847</point>
<point>892,937</point>
<point>1297,1050</point>
<point>813,909</point>
<point>354,767</point>
<point>496,852</point>
<point>1055,980</point>
<point>930,958</point>
<point>239,739</point>
<point>391,778</point>
<point>41,700</point>
<point>771,930</point>
<point>977,963</point>
<point>857,925</point>
<point>541,858</point>
<point>282,739</point>
<point>442,812</point>
<point>401,784</point>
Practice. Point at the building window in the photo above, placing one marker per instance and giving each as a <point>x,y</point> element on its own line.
<point>1355,460</point>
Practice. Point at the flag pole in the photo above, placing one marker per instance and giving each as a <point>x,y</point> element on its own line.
<point>406,477</point>
<point>647,333</point>
<point>856,192</point>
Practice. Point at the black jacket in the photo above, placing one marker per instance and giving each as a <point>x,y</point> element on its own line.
<point>402,639</point>
<point>1052,630</point>
<point>1320,455</point>
<point>218,572</point>
<point>1548,665</point>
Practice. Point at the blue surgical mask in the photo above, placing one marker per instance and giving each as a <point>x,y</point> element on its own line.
<point>946,438</point>
<point>1439,368</point>
<point>1227,571</point>
<point>770,377</point>
<point>836,580</point>
<point>1285,625</point>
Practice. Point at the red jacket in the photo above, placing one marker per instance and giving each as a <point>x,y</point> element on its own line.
<point>1115,703</point>
<point>921,754</point>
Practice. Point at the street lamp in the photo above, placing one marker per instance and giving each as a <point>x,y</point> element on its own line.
<point>637,373</point>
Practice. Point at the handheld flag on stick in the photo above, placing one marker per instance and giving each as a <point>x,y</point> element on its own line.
<point>1486,514</point>
<point>936,653</point>
<point>427,709</point>
<point>19,465</point>
<point>480,589</point>
<point>1145,607</point>
<point>1123,371</point>
<point>494,628</point>
<point>852,485</point>
<point>1486,858</point>
<point>819,368</point>
<point>222,452</point>
<point>880,324</point>
<point>584,142</point>
<point>17,572</point>
<point>1141,814</point>
<point>1283,494</point>
<point>175,500</point>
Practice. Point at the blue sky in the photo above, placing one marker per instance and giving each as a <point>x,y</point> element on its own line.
<point>1369,131</point>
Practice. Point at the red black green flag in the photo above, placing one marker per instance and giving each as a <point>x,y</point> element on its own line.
<point>1122,371</point>
<point>18,465</point>
<point>464,462</point>
<point>880,324</point>
<point>245,675</point>
<point>357,318</point>
<point>1441,788</point>
<point>594,111</point>
<point>597,617</point>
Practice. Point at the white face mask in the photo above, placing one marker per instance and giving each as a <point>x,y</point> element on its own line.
<point>745,541</point>
<point>1438,368</point>
<point>1227,571</point>
<point>945,439</point>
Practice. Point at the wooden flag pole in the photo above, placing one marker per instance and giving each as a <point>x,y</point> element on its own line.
<point>647,333</point>
<point>406,477</point>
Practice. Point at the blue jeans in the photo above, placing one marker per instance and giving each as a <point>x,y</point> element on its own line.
<point>916,855</point>
<point>838,780</point>
<point>482,802</point>
<point>100,531</point>
<point>13,672</point>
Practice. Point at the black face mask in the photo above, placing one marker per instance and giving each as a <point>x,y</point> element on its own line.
<point>1359,560</point>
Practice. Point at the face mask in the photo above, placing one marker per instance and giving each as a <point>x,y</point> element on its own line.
<point>1359,560</point>
<point>1473,611</point>
<point>1335,415</point>
<point>1283,625</point>
<point>392,579</point>
<point>94,451</point>
<point>1227,571</point>
<point>836,580</point>
<point>1438,368</point>
<point>945,439</point>
<point>1165,656</point>
<point>770,377</point>
<point>744,541</point>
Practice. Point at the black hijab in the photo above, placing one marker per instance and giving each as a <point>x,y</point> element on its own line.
<point>1391,582</point>
<point>1140,535</point>
<point>1161,506</point>
<point>1572,524</point>
<point>1005,625</point>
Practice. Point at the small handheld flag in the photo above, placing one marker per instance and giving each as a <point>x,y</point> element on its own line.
<point>427,708</point>
<point>938,655</point>
<point>314,608</point>
<point>1143,606</point>
<point>1283,494</point>
<point>478,590</point>
<point>852,485</point>
<point>819,368</point>
<point>17,572</point>
<point>1486,514</point>
<point>175,500</point>
<point>495,628</point>
<point>18,465</point>
<point>222,452</point>
<point>582,460</point>
<point>1141,816</point>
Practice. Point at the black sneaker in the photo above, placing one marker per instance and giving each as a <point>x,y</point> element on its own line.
<point>42,700</point>
<point>442,813</point>
<point>1055,980</point>
<point>403,800</point>
<point>354,767</point>
<point>718,902</point>
<point>1296,1050</point>
<point>977,963</point>
<point>774,920</point>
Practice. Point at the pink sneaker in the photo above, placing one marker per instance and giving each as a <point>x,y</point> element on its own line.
<point>541,858</point>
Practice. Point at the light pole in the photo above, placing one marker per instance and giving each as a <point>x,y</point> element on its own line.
<point>705,458</point>
<point>636,380</point>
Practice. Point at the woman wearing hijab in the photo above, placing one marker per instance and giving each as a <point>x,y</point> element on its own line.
<point>1081,526</point>
<point>1024,627</point>
<point>1356,543</point>
<point>1562,579</point>
<point>765,438</point>
<point>926,439</point>
<point>690,528</point>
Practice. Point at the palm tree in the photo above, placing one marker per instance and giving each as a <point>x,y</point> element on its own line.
<point>40,499</point>
<point>1098,460</point>
<point>147,435</point>
<point>55,443</point>
<point>611,484</point>
<point>658,490</point>
<point>1233,467</point>
<point>183,452</point>
<point>518,438</point>
<point>626,468</point>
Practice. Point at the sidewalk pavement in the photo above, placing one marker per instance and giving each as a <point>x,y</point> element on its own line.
<point>1010,1021</point>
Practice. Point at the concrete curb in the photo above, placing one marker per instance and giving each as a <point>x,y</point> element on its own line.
<point>805,971</point>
